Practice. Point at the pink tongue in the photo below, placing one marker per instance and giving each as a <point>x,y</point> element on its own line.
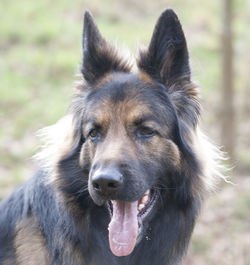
<point>123,228</point>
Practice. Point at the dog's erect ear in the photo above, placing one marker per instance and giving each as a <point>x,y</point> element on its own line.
<point>99,57</point>
<point>166,58</point>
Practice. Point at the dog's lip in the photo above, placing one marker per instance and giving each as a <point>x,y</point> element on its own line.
<point>148,206</point>
<point>142,216</point>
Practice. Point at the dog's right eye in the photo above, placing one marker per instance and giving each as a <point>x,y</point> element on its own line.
<point>94,135</point>
<point>145,132</point>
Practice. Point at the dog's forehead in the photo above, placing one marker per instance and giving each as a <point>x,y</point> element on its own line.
<point>123,88</point>
<point>124,94</point>
<point>128,110</point>
<point>129,98</point>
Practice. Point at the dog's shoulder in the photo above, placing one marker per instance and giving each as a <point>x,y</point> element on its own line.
<point>20,222</point>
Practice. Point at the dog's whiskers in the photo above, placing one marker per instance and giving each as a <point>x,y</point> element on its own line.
<point>164,188</point>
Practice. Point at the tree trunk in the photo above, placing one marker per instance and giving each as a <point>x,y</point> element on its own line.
<point>228,130</point>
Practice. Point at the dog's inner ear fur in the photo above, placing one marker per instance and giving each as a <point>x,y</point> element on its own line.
<point>166,59</point>
<point>99,57</point>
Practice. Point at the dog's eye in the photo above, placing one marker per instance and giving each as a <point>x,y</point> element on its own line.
<point>145,132</point>
<point>94,135</point>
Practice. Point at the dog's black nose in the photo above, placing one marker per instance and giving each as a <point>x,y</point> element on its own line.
<point>107,181</point>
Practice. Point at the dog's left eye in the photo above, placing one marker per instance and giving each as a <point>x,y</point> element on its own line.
<point>145,132</point>
<point>94,135</point>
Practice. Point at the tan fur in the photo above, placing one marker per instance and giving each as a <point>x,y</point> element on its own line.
<point>103,80</point>
<point>29,244</point>
<point>171,151</point>
<point>74,252</point>
<point>114,148</point>
<point>143,76</point>
<point>134,110</point>
<point>102,115</point>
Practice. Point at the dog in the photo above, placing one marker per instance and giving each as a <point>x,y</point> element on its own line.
<point>123,175</point>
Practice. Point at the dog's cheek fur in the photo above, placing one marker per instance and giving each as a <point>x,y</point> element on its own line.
<point>72,178</point>
<point>173,172</point>
<point>162,148</point>
<point>86,156</point>
<point>153,155</point>
<point>176,168</point>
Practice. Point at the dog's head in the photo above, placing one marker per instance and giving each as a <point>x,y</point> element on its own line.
<point>133,131</point>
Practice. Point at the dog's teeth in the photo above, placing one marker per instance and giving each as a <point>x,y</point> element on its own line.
<point>144,199</point>
<point>141,206</point>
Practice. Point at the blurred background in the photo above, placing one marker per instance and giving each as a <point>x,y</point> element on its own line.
<point>40,51</point>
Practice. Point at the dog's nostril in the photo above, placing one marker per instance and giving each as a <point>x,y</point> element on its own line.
<point>113,185</point>
<point>103,184</point>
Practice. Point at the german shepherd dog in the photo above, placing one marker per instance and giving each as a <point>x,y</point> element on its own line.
<point>123,175</point>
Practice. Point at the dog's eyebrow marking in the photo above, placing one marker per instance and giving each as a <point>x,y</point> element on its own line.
<point>90,124</point>
<point>145,118</point>
<point>97,119</point>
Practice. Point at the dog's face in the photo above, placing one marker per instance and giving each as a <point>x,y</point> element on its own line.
<point>132,125</point>
<point>128,138</point>
<point>131,136</point>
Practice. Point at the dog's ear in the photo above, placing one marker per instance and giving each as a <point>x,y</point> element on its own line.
<point>99,57</point>
<point>166,58</point>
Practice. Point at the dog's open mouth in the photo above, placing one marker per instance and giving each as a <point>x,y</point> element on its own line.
<point>126,221</point>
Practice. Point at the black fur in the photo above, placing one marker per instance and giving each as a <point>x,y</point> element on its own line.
<point>99,57</point>
<point>167,57</point>
<point>65,211</point>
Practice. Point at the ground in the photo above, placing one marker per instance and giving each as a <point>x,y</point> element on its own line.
<point>222,233</point>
